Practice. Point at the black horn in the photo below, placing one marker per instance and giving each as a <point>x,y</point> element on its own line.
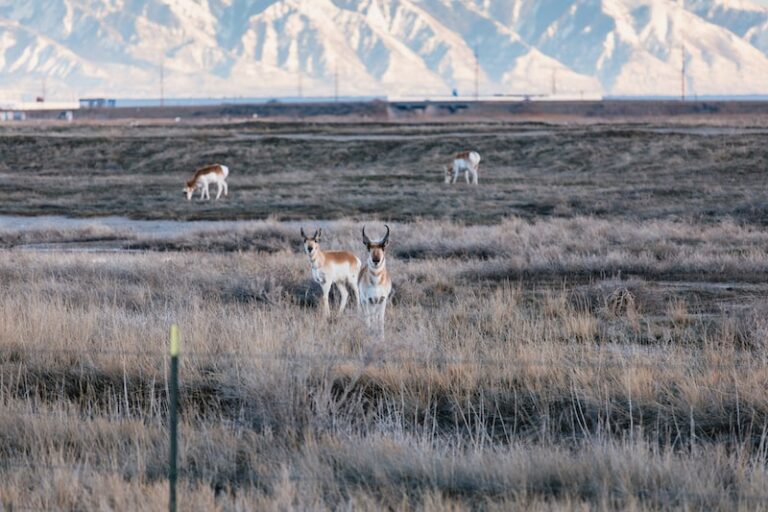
<point>385,240</point>
<point>366,240</point>
<point>303,234</point>
<point>314,237</point>
<point>318,234</point>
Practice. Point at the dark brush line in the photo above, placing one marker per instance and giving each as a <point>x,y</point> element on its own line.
<point>369,361</point>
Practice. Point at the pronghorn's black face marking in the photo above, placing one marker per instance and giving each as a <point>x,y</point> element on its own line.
<point>376,249</point>
<point>311,243</point>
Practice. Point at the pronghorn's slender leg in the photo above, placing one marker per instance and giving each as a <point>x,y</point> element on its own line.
<point>226,188</point>
<point>202,192</point>
<point>344,295</point>
<point>219,189</point>
<point>326,293</point>
<point>367,313</point>
<point>474,175</point>
<point>353,286</point>
<point>382,309</point>
<point>455,174</point>
<point>466,175</point>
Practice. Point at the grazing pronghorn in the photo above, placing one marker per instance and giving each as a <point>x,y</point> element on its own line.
<point>466,161</point>
<point>203,177</point>
<point>331,267</point>
<point>374,284</point>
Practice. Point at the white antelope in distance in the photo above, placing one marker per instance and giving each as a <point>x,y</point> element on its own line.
<point>332,267</point>
<point>374,284</point>
<point>467,161</point>
<point>203,177</point>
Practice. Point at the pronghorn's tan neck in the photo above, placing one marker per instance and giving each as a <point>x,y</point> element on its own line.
<point>317,259</point>
<point>378,274</point>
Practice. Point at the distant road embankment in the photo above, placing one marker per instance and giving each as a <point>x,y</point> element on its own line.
<point>425,110</point>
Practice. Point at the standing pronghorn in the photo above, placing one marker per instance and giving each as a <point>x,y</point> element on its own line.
<point>374,284</point>
<point>331,267</point>
<point>467,161</point>
<point>203,177</point>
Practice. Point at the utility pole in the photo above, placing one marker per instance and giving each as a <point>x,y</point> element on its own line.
<point>300,88</point>
<point>554,81</point>
<point>682,73</point>
<point>162,82</point>
<point>477,74</point>
<point>336,82</point>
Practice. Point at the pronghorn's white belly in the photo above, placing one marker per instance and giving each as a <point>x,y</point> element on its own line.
<point>461,165</point>
<point>211,177</point>
<point>374,293</point>
<point>467,164</point>
<point>334,272</point>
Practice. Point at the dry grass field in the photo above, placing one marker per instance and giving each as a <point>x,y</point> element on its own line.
<point>585,330</point>
<point>293,171</point>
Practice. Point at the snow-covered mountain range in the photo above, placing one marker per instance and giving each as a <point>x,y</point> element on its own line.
<point>212,48</point>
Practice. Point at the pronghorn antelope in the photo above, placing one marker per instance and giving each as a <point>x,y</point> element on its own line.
<point>466,161</point>
<point>331,267</point>
<point>203,177</point>
<point>374,284</point>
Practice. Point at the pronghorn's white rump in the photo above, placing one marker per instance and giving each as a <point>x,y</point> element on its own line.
<point>332,267</point>
<point>203,177</point>
<point>467,161</point>
<point>374,284</point>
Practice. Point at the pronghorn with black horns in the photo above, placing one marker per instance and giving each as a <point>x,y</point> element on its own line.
<point>331,267</point>
<point>374,284</point>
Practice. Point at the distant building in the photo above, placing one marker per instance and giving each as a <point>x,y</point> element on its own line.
<point>12,116</point>
<point>97,103</point>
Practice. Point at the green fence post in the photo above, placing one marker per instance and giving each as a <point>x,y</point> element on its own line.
<point>174,398</point>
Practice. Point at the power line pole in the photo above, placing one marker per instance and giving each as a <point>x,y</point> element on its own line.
<point>477,74</point>
<point>682,73</point>
<point>336,82</point>
<point>554,81</point>
<point>300,88</point>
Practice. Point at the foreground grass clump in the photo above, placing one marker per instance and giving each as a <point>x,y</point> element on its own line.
<point>559,367</point>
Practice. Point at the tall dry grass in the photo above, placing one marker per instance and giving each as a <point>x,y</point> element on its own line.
<point>498,385</point>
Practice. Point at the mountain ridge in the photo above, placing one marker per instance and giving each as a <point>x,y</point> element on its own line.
<point>422,48</point>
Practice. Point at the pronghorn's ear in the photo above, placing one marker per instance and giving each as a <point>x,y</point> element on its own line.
<point>385,240</point>
<point>318,234</point>
<point>303,234</point>
<point>366,240</point>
